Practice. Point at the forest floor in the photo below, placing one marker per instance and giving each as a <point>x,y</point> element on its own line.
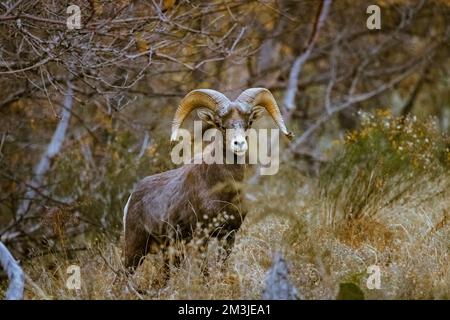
<point>408,240</point>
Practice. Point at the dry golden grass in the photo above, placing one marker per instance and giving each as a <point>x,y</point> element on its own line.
<point>409,240</point>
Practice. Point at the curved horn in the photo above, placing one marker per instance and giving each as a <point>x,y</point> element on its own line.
<point>263,97</point>
<point>200,98</point>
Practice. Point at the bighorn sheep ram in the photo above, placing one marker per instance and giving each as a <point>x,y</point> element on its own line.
<point>171,205</point>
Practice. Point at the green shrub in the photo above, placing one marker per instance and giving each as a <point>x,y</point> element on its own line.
<point>380,162</point>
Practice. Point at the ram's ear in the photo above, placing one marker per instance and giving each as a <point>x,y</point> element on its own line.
<point>208,116</point>
<point>255,114</point>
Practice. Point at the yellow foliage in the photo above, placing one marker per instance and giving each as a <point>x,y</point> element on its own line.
<point>142,44</point>
<point>168,4</point>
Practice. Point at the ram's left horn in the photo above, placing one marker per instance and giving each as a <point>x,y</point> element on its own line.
<point>263,97</point>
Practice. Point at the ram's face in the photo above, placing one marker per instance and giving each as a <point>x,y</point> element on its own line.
<point>233,124</point>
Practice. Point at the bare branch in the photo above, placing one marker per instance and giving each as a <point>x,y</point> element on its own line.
<point>291,90</point>
<point>52,150</point>
<point>14,272</point>
<point>350,101</point>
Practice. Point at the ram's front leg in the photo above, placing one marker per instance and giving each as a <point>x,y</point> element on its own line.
<point>202,249</point>
<point>173,257</point>
<point>227,244</point>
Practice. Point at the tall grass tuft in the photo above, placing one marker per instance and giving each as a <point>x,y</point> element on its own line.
<point>379,163</point>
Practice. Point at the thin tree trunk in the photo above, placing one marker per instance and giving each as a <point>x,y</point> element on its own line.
<point>53,149</point>
<point>297,67</point>
<point>407,108</point>
<point>14,272</point>
<point>291,90</point>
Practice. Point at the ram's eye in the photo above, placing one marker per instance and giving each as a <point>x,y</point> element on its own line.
<point>250,123</point>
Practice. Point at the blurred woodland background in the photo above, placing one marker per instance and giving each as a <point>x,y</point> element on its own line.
<point>85,113</point>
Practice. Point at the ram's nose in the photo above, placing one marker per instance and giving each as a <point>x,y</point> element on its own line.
<point>239,145</point>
